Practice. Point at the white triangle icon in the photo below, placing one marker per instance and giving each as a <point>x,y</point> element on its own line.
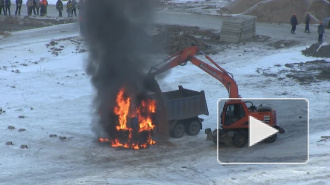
<point>259,131</point>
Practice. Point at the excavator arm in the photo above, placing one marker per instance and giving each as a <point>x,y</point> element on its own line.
<point>188,54</point>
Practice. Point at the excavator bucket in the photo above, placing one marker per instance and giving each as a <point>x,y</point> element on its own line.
<point>209,135</point>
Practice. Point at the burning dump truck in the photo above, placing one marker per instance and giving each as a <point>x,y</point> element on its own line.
<point>136,118</point>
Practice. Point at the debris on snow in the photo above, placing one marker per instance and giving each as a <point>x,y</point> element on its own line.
<point>16,71</point>
<point>324,138</point>
<point>303,72</point>
<point>52,43</point>
<point>21,130</point>
<point>9,143</point>
<point>11,127</point>
<point>283,44</point>
<point>24,146</point>
<point>62,138</point>
<point>52,135</point>
<point>2,111</point>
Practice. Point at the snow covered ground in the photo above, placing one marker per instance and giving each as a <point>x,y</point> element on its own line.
<point>49,95</point>
<point>193,6</point>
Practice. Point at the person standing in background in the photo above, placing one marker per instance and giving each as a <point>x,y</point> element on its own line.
<point>2,6</point>
<point>34,7</point>
<point>320,30</point>
<point>307,21</point>
<point>74,7</point>
<point>18,7</point>
<point>43,7</point>
<point>69,8</point>
<point>7,7</point>
<point>38,6</point>
<point>80,6</point>
<point>59,7</point>
<point>29,5</point>
<point>294,23</point>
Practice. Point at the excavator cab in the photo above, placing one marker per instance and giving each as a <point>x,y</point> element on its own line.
<point>233,113</point>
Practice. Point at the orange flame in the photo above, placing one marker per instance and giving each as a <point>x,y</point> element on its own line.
<point>126,112</point>
<point>122,109</point>
<point>152,106</point>
<point>146,122</point>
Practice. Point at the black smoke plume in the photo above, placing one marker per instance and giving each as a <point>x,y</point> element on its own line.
<point>118,45</point>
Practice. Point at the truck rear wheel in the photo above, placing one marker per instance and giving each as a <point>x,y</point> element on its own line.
<point>271,139</point>
<point>178,130</point>
<point>193,127</point>
<point>239,139</point>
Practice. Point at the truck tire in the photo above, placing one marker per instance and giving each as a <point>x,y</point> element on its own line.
<point>178,130</point>
<point>215,135</point>
<point>193,127</point>
<point>239,139</point>
<point>271,139</point>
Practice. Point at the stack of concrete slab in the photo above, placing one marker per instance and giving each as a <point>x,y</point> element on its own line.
<point>238,28</point>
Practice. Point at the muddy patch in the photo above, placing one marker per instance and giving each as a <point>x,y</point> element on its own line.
<point>304,72</point>
<point>258,39</point>
<point>56,46</point>
<point>10,23</point>
<point>283,44</point>
<point>172,38</point>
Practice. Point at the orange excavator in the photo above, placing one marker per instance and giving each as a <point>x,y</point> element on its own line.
<point>235,114</point>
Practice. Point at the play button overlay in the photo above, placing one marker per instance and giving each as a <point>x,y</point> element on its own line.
<point>259,131</point>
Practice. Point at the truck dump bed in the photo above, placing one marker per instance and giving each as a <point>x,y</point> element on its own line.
<point>185,104</point>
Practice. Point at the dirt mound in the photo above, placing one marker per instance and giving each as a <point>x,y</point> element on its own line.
<point>320,9</point>
<point>280,10</point>
<point>318,50</point>
<point>240,6</point>
<point>176,38</point>
<point>10,23</point>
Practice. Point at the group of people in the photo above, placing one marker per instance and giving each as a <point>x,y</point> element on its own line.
<point>294,23</point>
<point>32,5</point>
<point>5,6</point>
<point>39,7</point>
<point>71,7</point>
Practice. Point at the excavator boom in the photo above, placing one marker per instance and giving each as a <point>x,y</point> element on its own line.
<point>188,54</point>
